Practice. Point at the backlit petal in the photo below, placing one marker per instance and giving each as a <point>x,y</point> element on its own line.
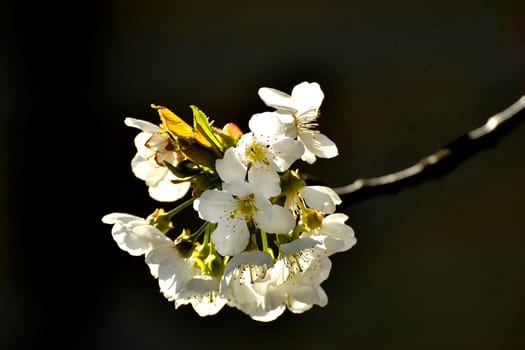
<point>277,99</point>
<point>286,151</point>
<point>212,205</point>
<point>230,166</point>
<point>280,221</point>
<point>319,144</point>
<point>307,96</point>
<point>167,191</point>
<point>143,125</point>
<point>264,180</point>
<point>231,236</point>
<point>321,198</point>
<point>266,126</point>
<point>133,235</point>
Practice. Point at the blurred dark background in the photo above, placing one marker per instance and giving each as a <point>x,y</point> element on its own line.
<point>437,265</point>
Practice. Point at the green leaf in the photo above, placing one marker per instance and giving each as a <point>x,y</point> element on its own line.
<point>203,182</point>
<point>182,170</point>
<point>200,122</point>
<point>200,155</point>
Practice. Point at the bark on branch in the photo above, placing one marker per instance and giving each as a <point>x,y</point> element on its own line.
<point>441,162</point>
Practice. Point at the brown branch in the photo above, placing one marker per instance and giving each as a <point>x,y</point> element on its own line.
<point>440,162</point>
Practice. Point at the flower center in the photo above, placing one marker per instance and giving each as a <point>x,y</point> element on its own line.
<point>245,207</point>
<point>250,274</point>
<point>161,148</point>
<point>305,121</point>
<point>256,153</point>
<point>298,263</point>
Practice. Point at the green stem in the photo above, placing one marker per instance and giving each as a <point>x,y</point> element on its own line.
<point>301,203</point>
<point>195,235</point>
<point>212,248</point>
<point>264,241</point>
<point>206,239</point>
<point>182,206</point>
<point>208,230</point>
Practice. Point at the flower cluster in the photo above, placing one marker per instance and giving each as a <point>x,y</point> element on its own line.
<point>266,237</point>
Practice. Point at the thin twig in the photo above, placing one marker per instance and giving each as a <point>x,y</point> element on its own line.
<point>440,162</point>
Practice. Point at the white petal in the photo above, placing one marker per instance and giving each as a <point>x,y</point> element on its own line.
<point>244,141</point>
<point>276,297</point>
<point>146,169</point>
<point>243,273</point>
<point>287,119</point>
<point>308,156</point>
<point>334,229</point>
<point>305,296</point>
<point>239,188</point>
<point>332,245</point>
<point>142,125</point>
<point>265,180</point>
<point>151,236</point>
<point>263,204</point>
<point>231,236</point>
<point>201,284</point>
<point>280,221</point>
<point>159,142</point>
<point>286,151</point>
<point>212,205</point>
<point>266,126</point>
<point>307,97</point>
<point>208,305</point>
<point>298,307</point>
<point>277,99</point>
<point>240,294</point>
<point>230,166</point>
<point>121,218</point>
<point>167,191</point>
<point>253,257</point>
<point>307,267</point>
<point>172,270</point>
<point>267,316</point>
<point>319,144</point>
<point>321,198</point>
<point>133,235</point>
<point>202,292</point>
<point>314,262</point>
<point>319,266</point>
<point>140,143</point>
<point>298,245</point>
<point>338,218</point>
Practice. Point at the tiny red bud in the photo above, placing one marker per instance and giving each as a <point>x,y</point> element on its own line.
<point>232,130</point>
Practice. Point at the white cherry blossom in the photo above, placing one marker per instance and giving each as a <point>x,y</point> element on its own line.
<point>260,154</point>
<point>299,112</point>
<point>334,234</point>
<point>245,279</point>
<point>267,239</point>
<point>153,148</point>
<point>320,198</point>
<point>133,234</point>
<point>296,277</point>
<point>233,207</point>
<point>264,290</point>
<point>202,292</point>
<point>179,280</point>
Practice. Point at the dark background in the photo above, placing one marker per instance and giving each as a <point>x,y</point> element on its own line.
<point>437,265</point>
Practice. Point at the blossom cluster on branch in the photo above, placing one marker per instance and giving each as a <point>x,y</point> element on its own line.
<point>266,237</point>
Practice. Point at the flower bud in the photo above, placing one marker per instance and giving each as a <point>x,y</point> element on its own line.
<point>311,219</point>
<point>232,130</point>
<point>160,220</point>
